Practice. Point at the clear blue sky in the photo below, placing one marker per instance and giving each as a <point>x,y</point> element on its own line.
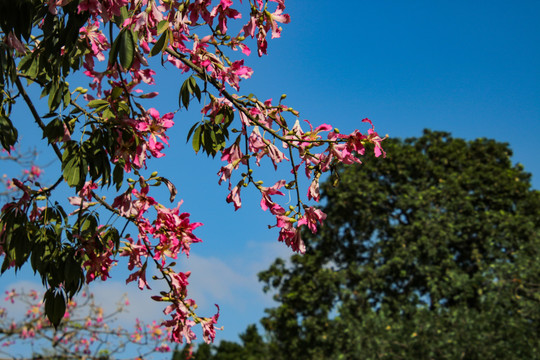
<point>470,68</point>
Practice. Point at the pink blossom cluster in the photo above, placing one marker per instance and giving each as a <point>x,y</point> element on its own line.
<point>169,234</point>
<point>148,139</point>
<point>336,148</point>
<point>143,135</point>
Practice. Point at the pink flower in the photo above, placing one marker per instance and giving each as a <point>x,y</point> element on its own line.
<point>140,276</point>
<point>313,190</point>
<point>92,6</point>
<point>54,3</point>
<point>290,235</point>
<point>265,21</point>
<point>174,231</point>
<point>162,348</point>
<point>179,283</point>
<point>125,205</point>
<point>226,171</point>
<point>79,203</point>
<point>311,217</point>
<point>33,173</point>
<point>199,8</point>
<point>95,40</point>
<point>266,201</point>
<point>153,126</point>
<point>143,201</point>
<point>104,8</point>
<point>135,253</point>
<point>209,330</point>
<point>181,326</point>
<point>233,73</point>
<point>86,191</point>
<point>261,147</point>
<point>225,11</point>
<point>99,258</point>
<point>13,42</point>
<point>234,197</point>
<point>275,17</point>
<point>11,295</point>
<point>232,154</point>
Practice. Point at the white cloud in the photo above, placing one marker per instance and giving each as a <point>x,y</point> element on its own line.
<point>141,306</point>
<point>214,281</point>
<point>233,281</point>
<point>230,282</point>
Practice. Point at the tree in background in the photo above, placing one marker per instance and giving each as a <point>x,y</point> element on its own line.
<point>433,253</point>
<point>104,136</point>
<point>252,347</point>
<point>86,332</point>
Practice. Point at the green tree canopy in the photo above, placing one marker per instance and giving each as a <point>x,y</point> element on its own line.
<point>430,254</point>
<point>252,347</point>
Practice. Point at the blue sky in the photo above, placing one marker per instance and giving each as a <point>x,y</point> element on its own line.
<point>470,68</point>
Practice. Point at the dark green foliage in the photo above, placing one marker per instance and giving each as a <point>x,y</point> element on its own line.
<point>50,242</point>
<point>253,347</point>
<point>431,253</point>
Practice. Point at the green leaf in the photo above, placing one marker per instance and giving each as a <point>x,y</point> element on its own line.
<point>161,44</point>
<point>162,26</point>
<point>74,166</point>
<point>118,176</point>
<point>115,47</point>
<point>218,118</point>
<point>197,139</point>
<point>197,91</point>
<point>127,49</point>
<point>97,103</point>
<point>8,133</point>
<point>26,63</point>
<point>67,95</point>
<point>55,96</point>
<point>188,87</point>
<point>73,274</point>
<point>190,132</point>
<point>116,92</point>
<point>55,306</point>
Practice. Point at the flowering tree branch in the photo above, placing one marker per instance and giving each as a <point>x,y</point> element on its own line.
<point>104,132</point>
